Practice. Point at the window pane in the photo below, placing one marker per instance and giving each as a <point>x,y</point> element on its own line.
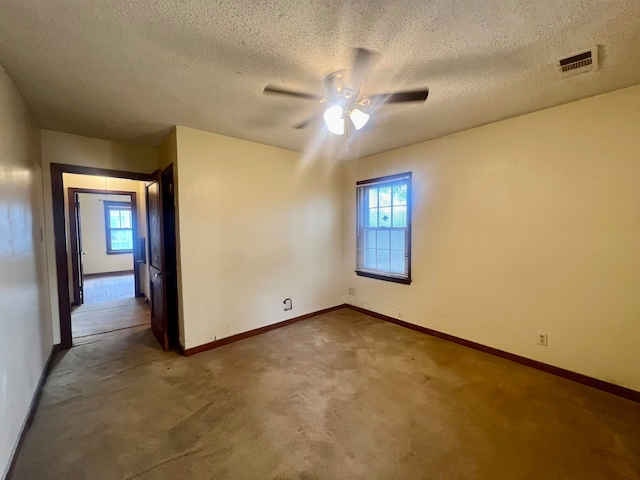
<point>121,240</point>
<point>125,218</point>
<point>373,217</point>
<point>385,217</point>
<point>383,260</point>
<point>400,194</point>
<point>370,239</point>
<point>397,240</point>
<point>397,262</point>
<point>385,196</point>
<point>373,197</point>
<point>383,240</point>
<point>114,219</point>
<point>370,259</point>
<point>400,216</point>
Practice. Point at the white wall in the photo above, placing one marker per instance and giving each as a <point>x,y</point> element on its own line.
<point>94,236</point>
<point>72,180</point>
<point>257,224</point>
<point>26,339</point>
<point>523,227</point>
<point>70,149</point>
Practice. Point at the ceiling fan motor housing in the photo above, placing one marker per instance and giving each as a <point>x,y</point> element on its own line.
<point>339,92</point>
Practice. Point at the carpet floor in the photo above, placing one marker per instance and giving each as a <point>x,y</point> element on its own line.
<point>338,396</point>
<point>108,287</point>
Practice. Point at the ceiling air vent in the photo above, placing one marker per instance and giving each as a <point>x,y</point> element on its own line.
<point>580,62</point>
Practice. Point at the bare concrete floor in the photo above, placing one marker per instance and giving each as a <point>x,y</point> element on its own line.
<point>338,396</point>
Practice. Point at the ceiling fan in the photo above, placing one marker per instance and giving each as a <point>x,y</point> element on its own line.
<point>347,111</point>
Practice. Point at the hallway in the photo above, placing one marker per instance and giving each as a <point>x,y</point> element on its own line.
<point>97,318</point>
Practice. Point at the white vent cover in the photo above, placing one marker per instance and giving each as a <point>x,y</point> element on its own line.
<point>579,62</point>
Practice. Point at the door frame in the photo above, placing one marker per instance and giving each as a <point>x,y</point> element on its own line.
<point>73,233</point>
<point>60,235</point>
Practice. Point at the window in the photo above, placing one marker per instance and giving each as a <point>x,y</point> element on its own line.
<point>119,227</point>
<point>384,228</point>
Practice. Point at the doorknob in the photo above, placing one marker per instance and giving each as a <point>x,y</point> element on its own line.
<point>156,275</point>
<point>83,253</point>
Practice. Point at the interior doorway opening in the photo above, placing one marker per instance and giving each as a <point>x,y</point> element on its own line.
<point>105,237</point>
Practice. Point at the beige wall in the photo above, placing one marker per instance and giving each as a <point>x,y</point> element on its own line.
<point>90,152</point>
<point>25,321</point>
<point>120,262</point>
<point>167,152</point>
<point>257,225</point>
<point>524,227</point>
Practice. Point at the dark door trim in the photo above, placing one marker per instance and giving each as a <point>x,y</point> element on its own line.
<point>75,270</point>
<point>60,235</point>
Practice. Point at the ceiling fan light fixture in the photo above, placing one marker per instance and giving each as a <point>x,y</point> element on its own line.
<point>359,118</point>
<point>333,119</point>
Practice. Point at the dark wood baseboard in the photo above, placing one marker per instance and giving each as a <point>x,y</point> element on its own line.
<point>241,336</point>
<point>33,408</point>
<point>545,367</point>
<point>109,274</point>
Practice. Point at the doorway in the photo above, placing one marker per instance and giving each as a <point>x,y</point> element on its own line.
<point>103,229</point>
<point>94,298</point>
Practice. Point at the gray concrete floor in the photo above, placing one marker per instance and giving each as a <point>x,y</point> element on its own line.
<point>338,396</point>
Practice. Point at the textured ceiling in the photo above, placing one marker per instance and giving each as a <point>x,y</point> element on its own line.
<point>128,70</point>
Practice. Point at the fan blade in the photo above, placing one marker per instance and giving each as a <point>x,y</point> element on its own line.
<point>360,67</point>
<point>401,97</point>
<point>269,90</point>
<point>306,123</point>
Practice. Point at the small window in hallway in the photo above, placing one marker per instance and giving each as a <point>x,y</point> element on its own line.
<point>119,227</point>
<point>384,228</point>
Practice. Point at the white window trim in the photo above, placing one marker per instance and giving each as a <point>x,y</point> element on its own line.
<point>361,187</point>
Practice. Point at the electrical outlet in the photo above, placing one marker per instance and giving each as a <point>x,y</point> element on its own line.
<point>400,313</point>
<point>352,291</point>
<point>542,339</point>
<point>288,305</point>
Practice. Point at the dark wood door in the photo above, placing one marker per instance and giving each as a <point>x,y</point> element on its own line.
<point>79,275</point>
<point>170,275</point>
<point>158,290</point>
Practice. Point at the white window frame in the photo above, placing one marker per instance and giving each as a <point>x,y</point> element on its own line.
<point>363,227</point>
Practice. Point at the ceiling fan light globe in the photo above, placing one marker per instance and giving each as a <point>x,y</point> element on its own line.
<point>333,119</point>
<point>359,118</point>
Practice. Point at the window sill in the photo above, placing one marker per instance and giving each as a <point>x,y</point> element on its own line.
<point>118,252</point>
<point>386,278</point>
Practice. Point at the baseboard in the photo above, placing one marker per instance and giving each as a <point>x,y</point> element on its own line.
<point>545,367</point>
<point>241,336</point>
<point>108,274</point>
<point>32,410</point>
